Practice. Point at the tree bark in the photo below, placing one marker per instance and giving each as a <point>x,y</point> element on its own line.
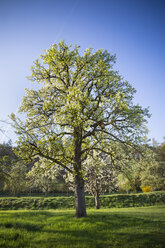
<point>79,181</point>
<point>97,200</point>
<point>80,197</point>
<point>46,193</point>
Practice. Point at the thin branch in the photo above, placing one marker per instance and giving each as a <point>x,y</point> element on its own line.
<point>50,158</point>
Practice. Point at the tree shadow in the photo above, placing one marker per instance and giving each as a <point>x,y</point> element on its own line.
<point>97,230</point>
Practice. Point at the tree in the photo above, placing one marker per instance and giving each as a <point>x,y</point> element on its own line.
<point>99,176</point>
<point>149,169</point>
<point>6,149</point>
<point>17,182</point>
<point>124,184</point>
<point>7,157</point>
<point>160,151</point>
<point>5,167</point>
<point>138,170</point>
<point>81,104</point>
<point>45,176</point>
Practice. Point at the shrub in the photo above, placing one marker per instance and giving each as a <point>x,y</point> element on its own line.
<point>146,189</point>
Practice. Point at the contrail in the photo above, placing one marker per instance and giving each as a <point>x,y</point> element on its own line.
<point>70,12</point>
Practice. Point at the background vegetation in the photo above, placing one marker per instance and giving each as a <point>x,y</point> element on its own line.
<point>19,178</point>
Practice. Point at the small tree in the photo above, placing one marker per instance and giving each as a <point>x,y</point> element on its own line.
<point>138,169</point>
<point>124,183</point>
<point>160,156</point>
<point>82,104</point>
<point>16,183</point>
<point>7,158</point>
<point>5,168</point>
<point>100,176</point>
<point>44,176</point>
<point>149,170</point>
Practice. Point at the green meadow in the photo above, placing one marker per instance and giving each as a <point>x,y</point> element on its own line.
<point>116,227</point>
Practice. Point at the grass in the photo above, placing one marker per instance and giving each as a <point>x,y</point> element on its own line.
<point>126,228</point>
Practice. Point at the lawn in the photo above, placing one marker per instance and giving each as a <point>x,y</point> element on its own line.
<point>125,227</point>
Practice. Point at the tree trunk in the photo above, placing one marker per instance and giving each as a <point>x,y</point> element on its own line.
<point>46,193</point>
<point>80,197</point>
<point>79,181</point>
<point>97,200</point>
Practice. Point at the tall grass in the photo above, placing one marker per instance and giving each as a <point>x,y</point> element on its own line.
<point>126,228</point>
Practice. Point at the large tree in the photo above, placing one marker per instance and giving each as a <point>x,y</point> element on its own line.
<point>80,104</point>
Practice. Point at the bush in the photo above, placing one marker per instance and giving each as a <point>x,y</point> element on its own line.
<point>147,189</point>
<point>107,201</point>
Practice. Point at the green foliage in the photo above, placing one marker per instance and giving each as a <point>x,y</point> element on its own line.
<point>81,104</point>
<point>160,151</point>
<point>116,228</point>
<point>17,182</point>
<point>37,203</point>
<point>7,150</point>
<point>11,171</point>
<point>124,184</point>
<point>45,176</point>
<point>136,170</point>
<point>106,201</point>
<point>133,200</point>
<point>7,157</point>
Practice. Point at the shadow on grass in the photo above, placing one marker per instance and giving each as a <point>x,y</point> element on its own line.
<point>26,226</point>
<point>99,229</point>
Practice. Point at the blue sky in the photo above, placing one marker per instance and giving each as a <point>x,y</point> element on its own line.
<point>132,29</point>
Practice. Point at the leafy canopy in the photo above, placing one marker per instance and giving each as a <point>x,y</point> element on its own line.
<point>80,103</point>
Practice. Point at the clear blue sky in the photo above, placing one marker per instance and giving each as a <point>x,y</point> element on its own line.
<point>133,29</point>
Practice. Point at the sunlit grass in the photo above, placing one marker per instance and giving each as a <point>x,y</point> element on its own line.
<point>131,227</point>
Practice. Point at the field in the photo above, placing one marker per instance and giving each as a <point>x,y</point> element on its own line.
<point>117,227</point>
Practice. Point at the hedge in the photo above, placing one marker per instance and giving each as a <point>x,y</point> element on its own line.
<point>106,201</point>
<point>133,200</point>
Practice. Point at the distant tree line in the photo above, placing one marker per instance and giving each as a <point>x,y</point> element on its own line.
<point>131,174</point>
